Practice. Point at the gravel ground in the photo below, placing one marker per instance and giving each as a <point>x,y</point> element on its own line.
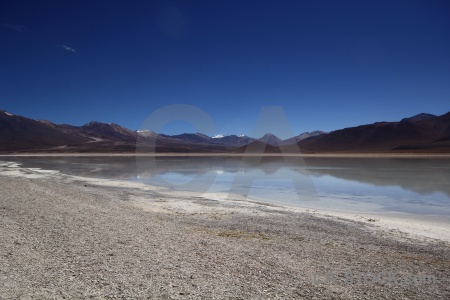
<point>63,238</point>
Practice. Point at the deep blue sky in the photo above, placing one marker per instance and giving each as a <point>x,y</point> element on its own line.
<point>329,64</point>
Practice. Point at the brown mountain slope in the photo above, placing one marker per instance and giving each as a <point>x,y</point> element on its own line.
<point>420,133</point>
<point>430,134</point>
<point>23,133</point>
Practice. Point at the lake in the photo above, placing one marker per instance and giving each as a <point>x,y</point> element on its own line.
<point>403,185</point>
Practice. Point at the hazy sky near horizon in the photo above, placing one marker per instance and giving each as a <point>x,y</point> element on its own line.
<point>329,64</point>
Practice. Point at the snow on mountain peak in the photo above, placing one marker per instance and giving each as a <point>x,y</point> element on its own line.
<point>218,136</point>
<point>92,123</point>
<point>8,114</point>
<point>241,135</point>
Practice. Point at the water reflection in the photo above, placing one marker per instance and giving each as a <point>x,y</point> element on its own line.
<point>375,184</point>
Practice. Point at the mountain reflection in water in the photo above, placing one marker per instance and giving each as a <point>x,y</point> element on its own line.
<point>375,184</point>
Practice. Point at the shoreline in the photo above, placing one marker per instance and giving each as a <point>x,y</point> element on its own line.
<point>75,237</point>
<point>415,226</point>
<point>303,155</point>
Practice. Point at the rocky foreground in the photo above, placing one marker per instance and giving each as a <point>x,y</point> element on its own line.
<point>65,238</point>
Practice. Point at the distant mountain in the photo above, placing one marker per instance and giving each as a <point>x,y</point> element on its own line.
<point>146,133</point>
<point>190,137</point>
<point>269,143</point>
<point>419,133</point>
<point>301,137</point>
<point>422,132</point>
<point>257,146</point>
<point>17,133</point>
<point>110,132</point>
<point>419,117</point>
<point>97,131</point>
<point>232,140</point>
<point>306,135</point>
<point>270,139</point>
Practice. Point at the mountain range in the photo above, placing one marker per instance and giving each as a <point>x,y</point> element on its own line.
<point>419,133</point>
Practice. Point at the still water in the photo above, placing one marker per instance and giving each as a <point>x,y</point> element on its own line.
<point>418,186</point>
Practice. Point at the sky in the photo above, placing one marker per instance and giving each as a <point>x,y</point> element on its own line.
<point>327,64</point>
